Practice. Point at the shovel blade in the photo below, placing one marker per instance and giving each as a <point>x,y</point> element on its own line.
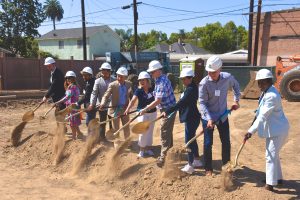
<point>141,127</point>
<point>28,116</point>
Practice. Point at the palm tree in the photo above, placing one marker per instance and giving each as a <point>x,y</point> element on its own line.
<point>53,10</point>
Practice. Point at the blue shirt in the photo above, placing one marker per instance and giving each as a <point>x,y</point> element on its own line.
<point>213,95</point>
<point>163,90</point>
<point>144,98</point>
<point>122,94</point>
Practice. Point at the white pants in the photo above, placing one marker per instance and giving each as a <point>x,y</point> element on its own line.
<point>146,139</point>
<point>273,167</point>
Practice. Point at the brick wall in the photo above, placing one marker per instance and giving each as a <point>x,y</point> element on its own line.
<point>279,35</point>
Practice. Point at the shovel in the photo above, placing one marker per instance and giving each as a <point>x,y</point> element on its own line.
<point>125,125</point>
<point>117,117</point>
<point>29,115</point>
<point>222,118</point>
<point>44,116</point>
<point>66,111</point>
<point>142,127</point>
<point>85,110</point>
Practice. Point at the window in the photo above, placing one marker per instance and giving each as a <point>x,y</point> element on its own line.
<point>79,44</point>
<point>61,44</point>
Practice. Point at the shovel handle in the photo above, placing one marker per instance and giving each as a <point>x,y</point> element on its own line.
<point>238,153</point>
<point>48,111</point>
<point>118,131</point>
<point>117,117</point>
<point>41,103</point>
<point>199,134</point>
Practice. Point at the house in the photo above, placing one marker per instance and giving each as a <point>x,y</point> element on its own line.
<point>179,48</point>
<point>67,43</point>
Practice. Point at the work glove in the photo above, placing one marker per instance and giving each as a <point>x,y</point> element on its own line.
<point>247,136</point>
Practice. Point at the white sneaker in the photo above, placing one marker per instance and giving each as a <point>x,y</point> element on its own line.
<point>150,152</point>
<point>197,163</point>
<point>141,154</point>
<point>188,169</point>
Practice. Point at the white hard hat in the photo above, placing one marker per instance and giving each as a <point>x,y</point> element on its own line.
<point>122,71</point>
<point>154,65</point>
<point>105,66</point>
<point>187,72</point>
<point>263,74</point>
<point>143,75</point>
<point>70,74</point>
<point>49,61</point>
<point>213,64</point>
<point>87,70</point>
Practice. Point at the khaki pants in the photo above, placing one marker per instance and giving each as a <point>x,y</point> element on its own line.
<point>166,133</point>
<point>116,125</point>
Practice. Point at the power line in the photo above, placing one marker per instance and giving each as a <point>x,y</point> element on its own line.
<point>230,12</point>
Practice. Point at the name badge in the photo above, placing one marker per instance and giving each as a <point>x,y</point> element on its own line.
<point>217,93</point>
<point>149,95</point>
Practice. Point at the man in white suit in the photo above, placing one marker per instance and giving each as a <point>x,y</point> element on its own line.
<point>270,123</point>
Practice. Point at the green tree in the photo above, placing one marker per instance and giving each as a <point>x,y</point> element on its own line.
<point>152,38</point>
<point>19,20</point>
<point>53,11</point>
<point>173,38</point>
<point>125,35</point>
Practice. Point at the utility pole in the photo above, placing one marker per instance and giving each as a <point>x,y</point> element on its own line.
<point>257,32</point>
<point>83,30</point>
<point>250,30</point>
<point>135,16</point>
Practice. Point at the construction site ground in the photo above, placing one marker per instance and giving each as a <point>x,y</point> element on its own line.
<point>27,171</point>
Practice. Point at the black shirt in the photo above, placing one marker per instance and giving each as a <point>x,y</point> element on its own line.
<point>87,92</point>
<point>144,99</point>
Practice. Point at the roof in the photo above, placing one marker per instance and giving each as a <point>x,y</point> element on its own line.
<point>74,33</point>
<point>240,51</point>
<point>4,50</point>
<point>180,48</point>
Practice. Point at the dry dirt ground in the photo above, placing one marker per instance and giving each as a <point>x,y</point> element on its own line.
<point>27,171</point>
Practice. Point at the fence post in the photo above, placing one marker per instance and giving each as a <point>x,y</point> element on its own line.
<point>40,61</point>
<point>3,75</point>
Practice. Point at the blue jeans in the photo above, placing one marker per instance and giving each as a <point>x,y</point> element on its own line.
<point>190,131</point>
<point>89,116</point>
<point>223,128</point>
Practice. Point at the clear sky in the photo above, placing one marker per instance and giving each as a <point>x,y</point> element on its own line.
<point>162,15</point>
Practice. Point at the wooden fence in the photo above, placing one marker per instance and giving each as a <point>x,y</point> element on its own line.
<point>28,74</point>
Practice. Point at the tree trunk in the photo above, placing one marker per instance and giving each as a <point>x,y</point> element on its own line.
<point>53,24</point>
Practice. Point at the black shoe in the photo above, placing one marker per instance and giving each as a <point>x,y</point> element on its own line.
<point>269,187</point>
<point>279,182</point>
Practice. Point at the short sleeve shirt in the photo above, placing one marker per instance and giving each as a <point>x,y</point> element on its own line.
<point>163,89</point>
<point>144,98</point>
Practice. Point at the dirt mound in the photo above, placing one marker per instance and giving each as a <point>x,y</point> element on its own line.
<point>31,164</point>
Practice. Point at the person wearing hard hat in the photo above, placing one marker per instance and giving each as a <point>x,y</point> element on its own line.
<point>144,95</point>
<point>164,99</point>
<point>87,75</point>
<point>100,87</point>
<point>118,93</point>
<point>271,124</point>
<point>190,116</point>
<point>213,91</point>
<point>71,97</point>
<point>56,90</point>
